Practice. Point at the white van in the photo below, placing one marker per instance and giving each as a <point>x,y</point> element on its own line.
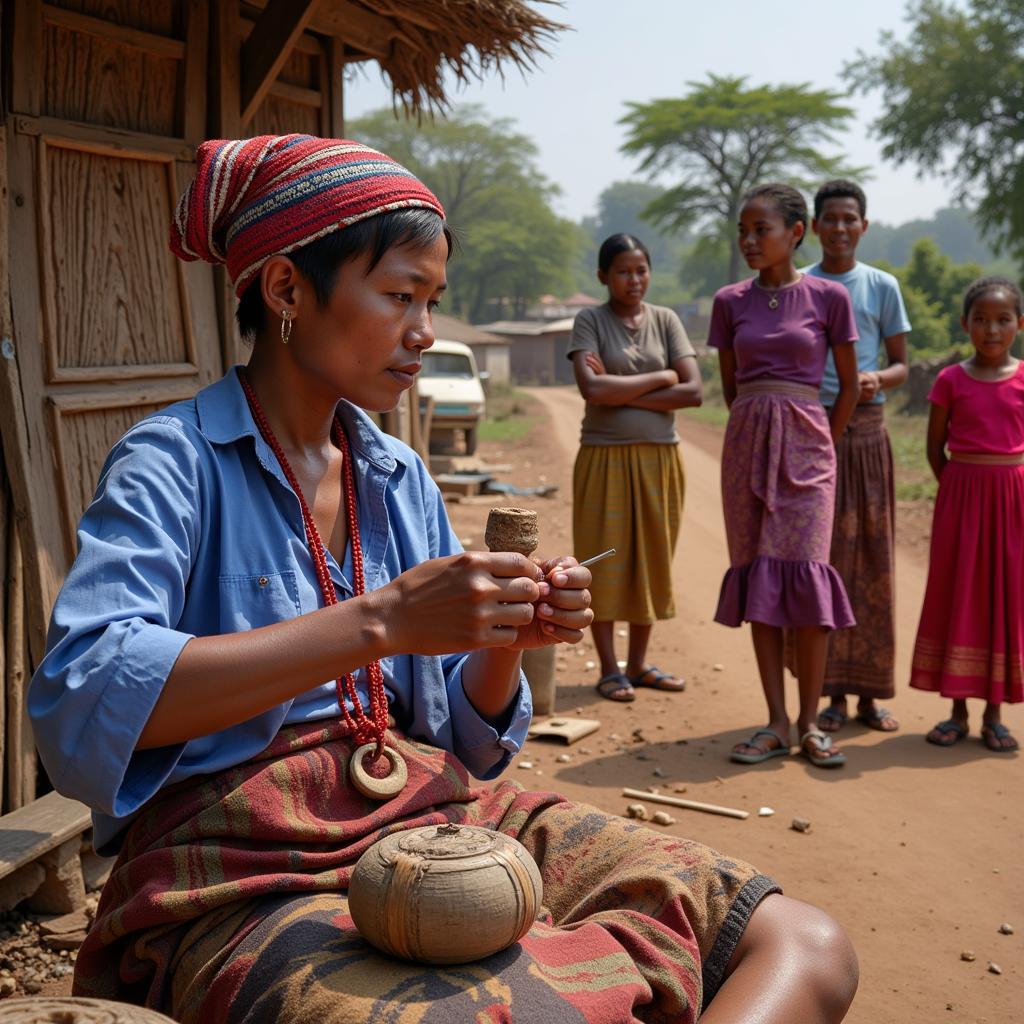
<point>450,377</point>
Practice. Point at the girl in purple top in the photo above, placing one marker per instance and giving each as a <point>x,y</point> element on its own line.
<point>772,333</point>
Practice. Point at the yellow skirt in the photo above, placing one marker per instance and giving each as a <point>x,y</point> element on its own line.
<point>629,497</point>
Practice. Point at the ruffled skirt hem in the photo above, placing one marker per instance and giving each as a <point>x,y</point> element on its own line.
<point>784,593</point>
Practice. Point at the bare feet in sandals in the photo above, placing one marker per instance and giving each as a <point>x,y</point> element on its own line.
<point>998,738</point>
<point>616,686</point>
<point>653,677</point>
<point>818,749</point>
<point>874,716</point>
<point>834,717</point>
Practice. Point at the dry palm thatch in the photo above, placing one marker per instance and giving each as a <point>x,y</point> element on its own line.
<point>466,37</point>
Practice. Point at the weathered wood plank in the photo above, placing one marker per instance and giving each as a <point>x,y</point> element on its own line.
<point>19,749</point>
<point>192,95</point>
<point>40,826</point>
<point>267,48</point>
<point>123,35</point>
<point>106,141</point>
<point>336,86</point>
<point>27,43</point>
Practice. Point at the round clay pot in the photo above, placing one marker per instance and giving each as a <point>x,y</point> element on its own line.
<point>445,894</point>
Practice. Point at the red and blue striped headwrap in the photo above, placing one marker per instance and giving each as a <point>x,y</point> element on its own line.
<point>254,198</point>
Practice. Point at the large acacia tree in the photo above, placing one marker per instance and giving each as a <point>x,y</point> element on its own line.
<point>514,245</point>
<point>953,101</point>
<point>722,138</point>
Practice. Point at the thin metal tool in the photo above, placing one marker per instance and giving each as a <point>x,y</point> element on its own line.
<point>598,558</point>
<point>589,561</point>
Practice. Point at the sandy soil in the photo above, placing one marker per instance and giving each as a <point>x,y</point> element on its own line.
<point>916,850</point>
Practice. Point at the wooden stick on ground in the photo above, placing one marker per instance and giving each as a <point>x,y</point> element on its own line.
<point>692,805</point>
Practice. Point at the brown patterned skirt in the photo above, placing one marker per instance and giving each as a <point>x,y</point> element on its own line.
<point>860,659</point>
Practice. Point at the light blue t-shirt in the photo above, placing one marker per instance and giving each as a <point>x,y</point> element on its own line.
<point>880,313</point>
<point>194,531</point>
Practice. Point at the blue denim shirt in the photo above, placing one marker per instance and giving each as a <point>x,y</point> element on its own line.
<point>194,531</point>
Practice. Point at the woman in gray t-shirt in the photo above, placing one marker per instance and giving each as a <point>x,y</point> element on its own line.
<point>635,367</point>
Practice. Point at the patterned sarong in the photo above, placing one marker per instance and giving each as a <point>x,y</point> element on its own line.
<point>778,496</point>
<point>227,903</point>
<point>860,660</point>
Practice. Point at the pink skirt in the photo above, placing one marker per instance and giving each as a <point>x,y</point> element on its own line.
<point>778,495</point>
<point>970,642</point>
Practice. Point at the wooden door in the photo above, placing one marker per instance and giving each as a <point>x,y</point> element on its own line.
<point>107,103</point>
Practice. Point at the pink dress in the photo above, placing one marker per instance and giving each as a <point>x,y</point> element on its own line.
<point>970,642</point>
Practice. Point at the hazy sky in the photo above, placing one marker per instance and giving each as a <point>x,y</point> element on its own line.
<point>639,50</point>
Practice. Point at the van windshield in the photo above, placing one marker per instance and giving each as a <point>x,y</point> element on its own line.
<point>447,364</point>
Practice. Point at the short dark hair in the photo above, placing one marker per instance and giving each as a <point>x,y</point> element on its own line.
<point>613,245</point>
<point>791,204</point>
<point>320,261</point>
<point>840,188</point>
<point>992,284</point>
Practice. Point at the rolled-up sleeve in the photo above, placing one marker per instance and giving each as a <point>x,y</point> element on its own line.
<point>483,749</point>
<point>111,643</point>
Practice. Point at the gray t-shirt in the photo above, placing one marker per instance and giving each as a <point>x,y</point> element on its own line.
<point>656,345</point>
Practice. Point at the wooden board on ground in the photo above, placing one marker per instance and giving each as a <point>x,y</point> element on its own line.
<point>568,730</point>
<point>462,483</point>
<point>42,825</point>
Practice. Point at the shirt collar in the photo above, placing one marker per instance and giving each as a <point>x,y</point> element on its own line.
<point>224,417</point>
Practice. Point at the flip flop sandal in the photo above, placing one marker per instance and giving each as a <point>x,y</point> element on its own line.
<point>762,754</point>
<point>819,750</point>
<point>875,720</point>
<point>658,682</point>
<point>832,715</point>
<point>612,685</point>
<point>993,735</point>
<point>949,733</point>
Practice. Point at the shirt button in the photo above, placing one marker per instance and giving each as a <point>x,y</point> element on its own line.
<point>263,581</point>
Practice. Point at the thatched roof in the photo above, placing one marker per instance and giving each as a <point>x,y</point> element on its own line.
<point>416,41</point>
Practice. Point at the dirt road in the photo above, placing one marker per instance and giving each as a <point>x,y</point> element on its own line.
<point>917,850</point>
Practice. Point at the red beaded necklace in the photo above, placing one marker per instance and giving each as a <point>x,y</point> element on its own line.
<point>365,729</point>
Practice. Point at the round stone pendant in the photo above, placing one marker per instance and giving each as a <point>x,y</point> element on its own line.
<point>773,302</point>
<point>369,785</point>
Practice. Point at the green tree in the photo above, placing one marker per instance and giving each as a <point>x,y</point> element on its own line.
<point>941,281</point>
<point>515,247</point>
<point>953,96</point>
<point>724,137</point>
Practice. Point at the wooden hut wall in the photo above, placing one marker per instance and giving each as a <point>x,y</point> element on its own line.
<point>107,100</point>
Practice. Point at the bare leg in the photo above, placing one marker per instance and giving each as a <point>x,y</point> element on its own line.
<point>793,963</point>
<point>768,648</point>
<point>639,636</point>
<point>604,641</point>
<point>811,654</point>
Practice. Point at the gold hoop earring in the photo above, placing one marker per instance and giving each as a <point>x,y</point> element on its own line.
<point>286,326</point>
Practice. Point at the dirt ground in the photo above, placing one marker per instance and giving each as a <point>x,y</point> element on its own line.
<point>915,849</point>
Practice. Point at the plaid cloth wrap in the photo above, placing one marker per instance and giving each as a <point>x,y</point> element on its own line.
<point>254,198</point>
<point>228,903</point>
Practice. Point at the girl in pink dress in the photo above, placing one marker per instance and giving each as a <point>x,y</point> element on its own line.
<point>970,642</point>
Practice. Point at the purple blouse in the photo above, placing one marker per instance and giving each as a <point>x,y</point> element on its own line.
<point>787,343</point>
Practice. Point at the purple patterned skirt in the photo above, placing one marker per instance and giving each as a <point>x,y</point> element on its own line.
<point>778,493</point>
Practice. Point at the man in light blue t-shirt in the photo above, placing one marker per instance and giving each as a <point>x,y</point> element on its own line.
<point>861,659</point>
